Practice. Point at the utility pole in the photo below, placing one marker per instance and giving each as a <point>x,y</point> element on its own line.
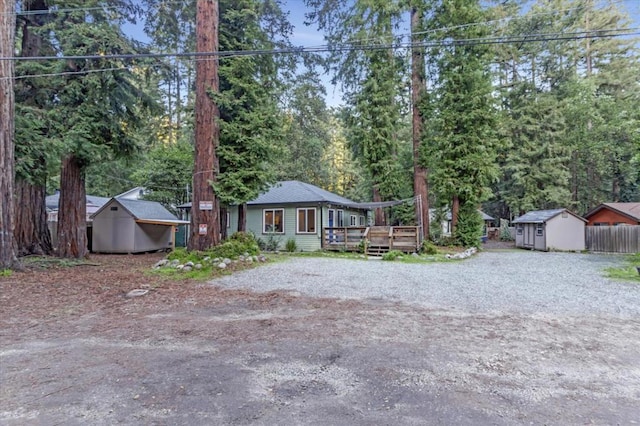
<point>205,224</point>
<point>7,156</point>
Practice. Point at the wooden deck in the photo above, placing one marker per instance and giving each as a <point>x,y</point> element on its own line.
<point>374,240</point>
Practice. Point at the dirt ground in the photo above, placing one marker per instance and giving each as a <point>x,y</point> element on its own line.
<point>75,350</point>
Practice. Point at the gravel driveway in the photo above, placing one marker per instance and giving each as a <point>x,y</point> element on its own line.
<point>506,281</point>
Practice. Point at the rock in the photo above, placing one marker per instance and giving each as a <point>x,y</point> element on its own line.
<point>227,261</point>
<point>187,268</point>
<point>261,258</point>
<point>161,263</point>
<point>198,266</point>
<point>180,267</point>
<point>415,255</point>
<point>222,265</point>
<point>255,258</point>
<point>136,293</point>
<point>206,259</point>
<point>241,258</point>
<point>249,260</point>
<point>174,263</point>
<point>246,254</point>
<point>189,264</point>
<point>217,260</point>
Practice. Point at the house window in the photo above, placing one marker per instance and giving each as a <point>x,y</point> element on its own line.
<point>519,229</point>
<point>228,220</point>
<point>340,218</point>
<point>353,220</point>
<point>362,221</point>
<point>114,208</point>
<point>273,221</point>
<point>601,224</point>
<point>306,221</point>
<point>539,229</point>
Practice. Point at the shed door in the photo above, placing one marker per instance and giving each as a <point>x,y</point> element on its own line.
<point>529,235</point>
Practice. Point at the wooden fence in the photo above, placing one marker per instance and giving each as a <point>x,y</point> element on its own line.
<point>613,239</point>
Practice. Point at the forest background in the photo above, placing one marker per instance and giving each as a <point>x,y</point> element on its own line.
<point>521,105</point>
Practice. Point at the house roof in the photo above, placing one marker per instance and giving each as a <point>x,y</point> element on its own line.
<point>631,210</point>
<point>542,216</point>
<point>293,191</point>
<point>485,216</point>
<point>149,211</point>
<point>53,201</point>
<point>133,193</point>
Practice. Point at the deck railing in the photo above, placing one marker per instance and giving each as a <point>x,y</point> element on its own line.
<point>376,240</point>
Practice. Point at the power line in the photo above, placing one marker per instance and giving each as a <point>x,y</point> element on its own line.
<point>527,38</point>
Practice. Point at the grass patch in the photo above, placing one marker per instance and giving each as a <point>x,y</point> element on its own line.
<point>628,271</point>
<point>5,273</point>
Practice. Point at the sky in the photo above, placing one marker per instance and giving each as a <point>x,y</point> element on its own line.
<point>309,36</point>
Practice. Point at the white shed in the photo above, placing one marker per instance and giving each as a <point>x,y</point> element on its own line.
<point>133,226</point>
<point>546,230</point>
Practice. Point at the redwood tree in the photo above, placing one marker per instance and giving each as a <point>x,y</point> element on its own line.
<point>205,224</point>
<point>7,240</point>
<point>33,148</point>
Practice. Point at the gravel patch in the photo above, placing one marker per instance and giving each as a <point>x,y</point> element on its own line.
<point>513,281</point>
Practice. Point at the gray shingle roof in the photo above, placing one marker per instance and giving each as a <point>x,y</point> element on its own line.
<point>293,191</point>
<point>147,210</point>
<point>541,216</point>
<point>485,216</point>
<point>52,201</point>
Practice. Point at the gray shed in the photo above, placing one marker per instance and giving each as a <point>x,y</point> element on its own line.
<point>546,230</point>
<point>133,226</point>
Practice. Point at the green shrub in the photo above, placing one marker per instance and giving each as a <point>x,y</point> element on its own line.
<point>291,245</point>
<point>428,248</point>
<point>392,255</point>
<point>6,272</point>
<point>469,227</point>
<point>272,242</point>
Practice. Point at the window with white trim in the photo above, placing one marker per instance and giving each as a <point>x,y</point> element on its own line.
<point>362,222</point>
<point>539,229</point>
<point>273,221</point>
<point>353,220</point>
<point>306,223</point>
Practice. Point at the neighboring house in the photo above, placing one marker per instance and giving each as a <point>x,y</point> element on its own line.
<point>123,225</point>
<point>614,214</point>
<point>446,224</point>
<point>296,210</point>
<point>546,230</point>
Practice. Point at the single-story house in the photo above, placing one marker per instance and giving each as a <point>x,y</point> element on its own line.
<point>545,230</point>
<point>614,214</point>
<point>295,210</point>
<point>125,225</point>
<point>446,223</point>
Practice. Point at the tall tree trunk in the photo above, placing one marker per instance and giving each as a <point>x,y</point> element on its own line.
<point>7,161</point>
<point>72,211</point>
<point>205,225</point>
<point>32,233</point>
<point>242,217</point>
<point>455,210</point>
<point>418,89</point>
<point>223,223</point>
<point>379,213</point>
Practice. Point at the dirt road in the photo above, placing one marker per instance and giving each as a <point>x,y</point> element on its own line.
<point>74,350</point>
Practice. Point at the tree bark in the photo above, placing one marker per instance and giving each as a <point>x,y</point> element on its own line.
<point>31,231</point>
<point>242,217</point>
<point>205,224</point>
<point>418,89</point>
<point>455,210</point>
<point>8,257</point>
<point>379,217</point>
<point>72,211</point>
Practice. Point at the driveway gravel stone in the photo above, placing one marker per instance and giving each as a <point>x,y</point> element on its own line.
<point>505,281</point>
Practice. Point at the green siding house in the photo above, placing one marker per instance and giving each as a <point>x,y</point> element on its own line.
<point>297,210</point>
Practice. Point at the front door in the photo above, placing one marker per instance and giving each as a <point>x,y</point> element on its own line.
<point>331,219</point>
